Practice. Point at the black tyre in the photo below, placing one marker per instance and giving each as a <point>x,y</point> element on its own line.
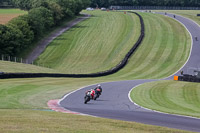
<point>96,96</point>
<point>87,99</point>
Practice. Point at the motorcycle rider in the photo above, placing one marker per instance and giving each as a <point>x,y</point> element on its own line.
<point>98,89</point>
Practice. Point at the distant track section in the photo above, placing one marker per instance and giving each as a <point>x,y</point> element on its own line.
<point>113,70</point>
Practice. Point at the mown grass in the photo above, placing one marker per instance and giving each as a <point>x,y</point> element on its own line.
<point>160,54</point>
<point>25,53</point>
<point>169,96</point>
<point>12,11</point>
<point>97,44</point>
<point>7,66</point>
<point>164,50</point>
<point>23,121</point>
<point>19,96</point>
<point>34,93</point>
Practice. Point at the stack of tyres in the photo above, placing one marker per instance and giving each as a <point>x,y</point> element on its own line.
<point>187,77</point>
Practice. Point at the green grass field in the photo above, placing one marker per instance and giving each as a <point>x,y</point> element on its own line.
<point>29,121</point>
<point>20,98</point>
<point>161,53</point>
<point>12,11</point>
<point>96,44</point>
<point>6,66</point>
<point>169,96</point>
<point>169,101</point>
<point>155,58</point>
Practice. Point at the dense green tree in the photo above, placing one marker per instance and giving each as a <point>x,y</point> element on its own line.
<point>57,11</point>
<point>20,32</point>
<point>182,3</point>
<point>9,40</point>
<point>23,4</point>
<point>5,2</point>
<point>27,34</point>
<point>40,19</point>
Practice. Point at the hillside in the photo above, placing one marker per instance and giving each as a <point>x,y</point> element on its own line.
<point>23,101</point>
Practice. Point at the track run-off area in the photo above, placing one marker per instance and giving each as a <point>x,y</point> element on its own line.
<point>164,50</point>
<point>116,103</point>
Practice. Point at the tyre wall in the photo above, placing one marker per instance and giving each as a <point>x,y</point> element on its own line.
<point>113,70</point>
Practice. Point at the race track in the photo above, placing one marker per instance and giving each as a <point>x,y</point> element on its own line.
<point>117,104</point>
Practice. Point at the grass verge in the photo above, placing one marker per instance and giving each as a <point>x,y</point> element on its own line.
<point>164,50</point>
<point>34,93</point>
<point>13,67</point>
<point>169,96</point>
<point>94,45</point>
<point>23,121</point>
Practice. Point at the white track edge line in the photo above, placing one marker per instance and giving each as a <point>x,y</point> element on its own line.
<point>139,84</point>
<point>192,43</point>
<point>129,96</point>
<point>166,78</point>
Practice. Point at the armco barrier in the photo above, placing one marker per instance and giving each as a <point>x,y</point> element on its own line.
<point>98,74</point>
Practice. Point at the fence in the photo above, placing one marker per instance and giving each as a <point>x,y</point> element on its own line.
<point>152,8</point>
<point>25,61</point>
<point>19,60</point>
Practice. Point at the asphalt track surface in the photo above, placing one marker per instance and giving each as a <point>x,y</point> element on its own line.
<point>114,102</point>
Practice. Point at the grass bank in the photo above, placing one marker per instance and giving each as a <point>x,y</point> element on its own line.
<point>23,121</point>
<point>88,48</point>
<point>160,54</point>
<point>169,96</point>
<point>12,11</point>
<point>157,52</point>
<point>164,50</point>
<point>96,44</point>
<point>23,99</point>
<point>13,67</point>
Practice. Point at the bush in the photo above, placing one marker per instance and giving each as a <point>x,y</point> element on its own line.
<point>27,34</point>
<point>10,40</point>
<point>40,19</point>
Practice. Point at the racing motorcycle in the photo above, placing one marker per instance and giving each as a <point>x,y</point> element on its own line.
<point>87,97</point>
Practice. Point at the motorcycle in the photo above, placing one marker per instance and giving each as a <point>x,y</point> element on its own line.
<point>87,97</point>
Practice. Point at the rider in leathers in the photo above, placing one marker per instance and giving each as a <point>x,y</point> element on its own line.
<point>98,89</point>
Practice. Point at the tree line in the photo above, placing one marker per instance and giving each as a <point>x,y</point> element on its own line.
<point>182,3</point>
<point>5,3</point>
<point>42,15</point>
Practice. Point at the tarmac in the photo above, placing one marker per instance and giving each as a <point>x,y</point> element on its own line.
<point>115,103</point>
